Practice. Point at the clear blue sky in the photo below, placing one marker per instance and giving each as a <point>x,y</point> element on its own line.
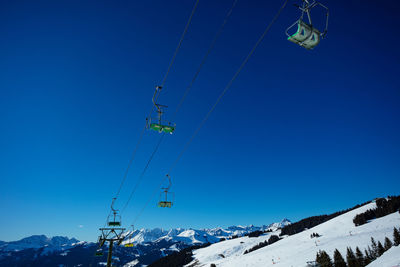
<point>300,132</point>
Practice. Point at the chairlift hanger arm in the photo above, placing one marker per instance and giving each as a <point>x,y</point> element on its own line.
<point>327,18</point>
<point>307,6</point>
<point>112,205</point>
<point>169,183</point>
<point>155,97</point>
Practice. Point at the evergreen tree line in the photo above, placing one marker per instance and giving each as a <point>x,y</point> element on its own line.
<point>179,258</point>
<point>315,235</point>
<point>255,233</point>
<point>271,240</point>
<point>383,208</point>
<point>313,221</point>
<point>358,258</point>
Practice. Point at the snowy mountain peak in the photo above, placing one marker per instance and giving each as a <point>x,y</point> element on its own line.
<point>193,236</point>
<point>276,226</point>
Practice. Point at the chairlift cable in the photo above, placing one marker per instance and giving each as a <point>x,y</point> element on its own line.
<point>180,43</point>
<point>163,82</point>
<point>173,57</point>
<point>130,161</point>
<point>217,101</point>
<point>227,86</point>
<point>217,35</point>
<point>143,172</point>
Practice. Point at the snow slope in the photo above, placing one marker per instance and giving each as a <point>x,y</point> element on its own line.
<point>390,258</point>
<point>296,250</point>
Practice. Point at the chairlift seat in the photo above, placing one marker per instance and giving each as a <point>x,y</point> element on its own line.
<point>306,35</point>
<point>162,128</point>
<point>114,224</point>
<point>165,204</point>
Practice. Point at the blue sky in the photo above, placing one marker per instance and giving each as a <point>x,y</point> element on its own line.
<point>299,133</point>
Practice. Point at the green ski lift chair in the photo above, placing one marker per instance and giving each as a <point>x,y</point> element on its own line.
<point>306,34</point>
<point>157,124</point>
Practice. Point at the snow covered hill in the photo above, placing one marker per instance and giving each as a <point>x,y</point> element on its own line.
<point>39,241</point>
<point>196,237</point>
<point>296,250</point>
<point>390,258</point>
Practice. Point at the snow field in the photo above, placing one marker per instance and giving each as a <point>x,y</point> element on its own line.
<point>296,250</point>
<point>390,258</point>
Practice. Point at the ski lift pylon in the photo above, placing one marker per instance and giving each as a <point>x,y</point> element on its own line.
<point>307,35</point>
<point>157,124</point>
<point>166,197</point>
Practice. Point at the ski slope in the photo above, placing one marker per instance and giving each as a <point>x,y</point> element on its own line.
<point>296,250</point>
<point>390,258</point>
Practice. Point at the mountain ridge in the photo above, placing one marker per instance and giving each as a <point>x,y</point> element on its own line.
<point>39,241</point>
<point>197,236</point>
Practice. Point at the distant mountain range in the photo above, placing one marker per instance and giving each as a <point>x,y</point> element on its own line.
<point>39,241</point>
<point>196,237</point>
<point>149,245</point>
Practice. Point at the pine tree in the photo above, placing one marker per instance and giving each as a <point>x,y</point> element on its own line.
<point>374,248</point>
<point>359,257</point>
<point>338,259</point>
<point>371,254</point>
<point>323,259</point>
<point>351,258</point>
<point>388,243</point>
<point>367,258</point>
<point>396,237</point>
<point>381,249</point>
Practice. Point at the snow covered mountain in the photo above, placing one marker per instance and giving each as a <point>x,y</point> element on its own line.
<point>150,245</point>
<point>296,250</point>
<point>196,237</point>
<point>236,249</point>
<point>39,241</point>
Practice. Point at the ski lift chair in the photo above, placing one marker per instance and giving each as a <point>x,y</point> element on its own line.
<point>307,35</point>
<point>166,197</point>
<point>161,127</point>
<point>157,124</point>
<point>114,219</point>
<point>165,204</point>
<point>167,200</point>
<point>98,253</point>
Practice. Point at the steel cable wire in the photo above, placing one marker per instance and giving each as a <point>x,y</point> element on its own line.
<point>217,35</point>
<point>216,103</point>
